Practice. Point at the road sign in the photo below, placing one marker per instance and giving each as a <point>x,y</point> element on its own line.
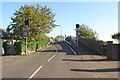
<point>77,32</point>
<point>25,29</point>
<point>25,32</point>
<point>25,35</point>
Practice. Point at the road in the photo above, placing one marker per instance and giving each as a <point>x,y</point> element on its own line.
<point>58,61</point>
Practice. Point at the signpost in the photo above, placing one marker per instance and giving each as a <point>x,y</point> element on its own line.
<point>25,32</point>
<point>25,35</point>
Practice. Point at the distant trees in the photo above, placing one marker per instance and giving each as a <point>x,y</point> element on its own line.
<point>116,36</point>
<point>41,21</point>
<point>87,32</point>
<point>59,37</point>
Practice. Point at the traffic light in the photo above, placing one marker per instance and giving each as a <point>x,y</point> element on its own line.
<point>77,25</point>
<point>27,22</point>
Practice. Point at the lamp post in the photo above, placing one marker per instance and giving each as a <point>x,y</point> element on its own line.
<point>61,32</point>
<point>1,42</point>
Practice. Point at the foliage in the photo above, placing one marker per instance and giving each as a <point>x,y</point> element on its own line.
<point>116,36</point>
<point>59,37</point>
<point>87,32</point>
<point>32,46</point>
<point>18,47</point>
<point>6,47</point>
<point>55,39</point>
<point>68,38</point>
<point>41,21</point>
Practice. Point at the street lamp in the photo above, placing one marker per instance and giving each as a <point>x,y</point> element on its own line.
<point>61,32</point>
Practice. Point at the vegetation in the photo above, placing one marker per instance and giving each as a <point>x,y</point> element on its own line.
<point>41,21</point>
<point>68,38</point>
<point>6,47</point>
<point>18,47</point>
<point>32,46</point>
<point>59,37</point>
<point>87,32</point>
<point>116,36</point>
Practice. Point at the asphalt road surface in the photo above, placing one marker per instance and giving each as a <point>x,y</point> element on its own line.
<point>58,61</point>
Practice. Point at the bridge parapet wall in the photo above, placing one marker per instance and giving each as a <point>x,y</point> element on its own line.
<point>91,44</point>
<point>112,51</point>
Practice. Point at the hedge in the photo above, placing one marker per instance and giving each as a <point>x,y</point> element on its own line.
<point>18,47</point>
<point>32,46</point>
<point>6,47</point>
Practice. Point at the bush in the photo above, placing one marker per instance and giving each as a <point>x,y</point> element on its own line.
<point>6,47</point>
<point>32,46</point>
<point>18,47</point>
<point>68,38</point>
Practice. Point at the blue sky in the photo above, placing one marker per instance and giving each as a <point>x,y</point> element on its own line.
<point>102,17</point>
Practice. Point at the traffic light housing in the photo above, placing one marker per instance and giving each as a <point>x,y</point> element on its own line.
<point>27,22</point>
<point>77,25</point>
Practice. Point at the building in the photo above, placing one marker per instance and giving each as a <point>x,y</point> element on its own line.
<point>3,36</point>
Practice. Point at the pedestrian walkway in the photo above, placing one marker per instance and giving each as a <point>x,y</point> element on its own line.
<point>98,64</point>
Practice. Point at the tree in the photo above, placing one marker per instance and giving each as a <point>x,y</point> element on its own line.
<point>41,21</point>
<point>87,32</point>
<point>116,36</point>
<point>59,37</point>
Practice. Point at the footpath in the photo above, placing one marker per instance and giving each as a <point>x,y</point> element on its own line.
<point>98,64</point>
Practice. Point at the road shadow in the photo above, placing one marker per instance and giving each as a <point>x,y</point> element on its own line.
<point>98,70</point>
<point>88,60</point>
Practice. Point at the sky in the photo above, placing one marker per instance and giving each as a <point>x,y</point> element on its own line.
<point>102,17</point>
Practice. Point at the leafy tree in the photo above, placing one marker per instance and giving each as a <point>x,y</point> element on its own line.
<point>87,32</point>
<point>59,37</point>
<point>116,36</point>
<point>41,21</point>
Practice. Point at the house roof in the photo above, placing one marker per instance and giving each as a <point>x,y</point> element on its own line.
<point>4,34</point>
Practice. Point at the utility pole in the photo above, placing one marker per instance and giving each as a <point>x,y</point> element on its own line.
<point>61,33</point>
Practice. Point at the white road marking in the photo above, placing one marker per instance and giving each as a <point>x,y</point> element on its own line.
<point>45,48</point>
<point>51,57</point>
<point>34,73</point>
<point>72,49</point>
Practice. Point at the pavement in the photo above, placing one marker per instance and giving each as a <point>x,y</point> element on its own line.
<point>59,61</point>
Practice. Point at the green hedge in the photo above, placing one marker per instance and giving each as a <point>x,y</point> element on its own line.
<point>18,47</point>
<point>6,47</point>
<point>32,46</point>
